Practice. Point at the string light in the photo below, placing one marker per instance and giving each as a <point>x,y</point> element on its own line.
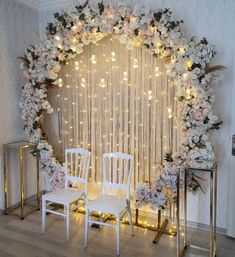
<point>102,83</point>
<point>113,56</point>
<point>181,50</point>
<point>57,38</point>
<point>93,59</point>
<point>157,71</point>
<point>125,76</point>
<point>114,106</point>
<point>83,81</point>
<point>135,63</point>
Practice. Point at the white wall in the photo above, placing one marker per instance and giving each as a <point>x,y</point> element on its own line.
<point>215,21</point>
<point>18,28</point>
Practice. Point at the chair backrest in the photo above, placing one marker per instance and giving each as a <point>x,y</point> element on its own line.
<point>77,161</point>
<point>117,170</point>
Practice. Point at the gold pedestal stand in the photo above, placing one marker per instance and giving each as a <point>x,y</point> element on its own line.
<point>21,146</point>
<point>213,202</point>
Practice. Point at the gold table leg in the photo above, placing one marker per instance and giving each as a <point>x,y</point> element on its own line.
<point>38,190</point>
<point>21,184</point>
<point>5,176</point>
<point>161,227</point>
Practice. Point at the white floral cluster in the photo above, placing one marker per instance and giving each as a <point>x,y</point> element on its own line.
<point>150,194</point>
<point>163,189</point>
<point>135,27</point>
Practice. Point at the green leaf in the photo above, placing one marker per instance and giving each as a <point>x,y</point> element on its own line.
<point>216,125</point>
<point>168,157</point>
<point>101,7</point>
<point>204,41</point>
<point>157,16</point>
<point>136,31</point>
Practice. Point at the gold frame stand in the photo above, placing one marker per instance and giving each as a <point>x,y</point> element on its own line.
<point>21,146</point>
<point>213,205</point>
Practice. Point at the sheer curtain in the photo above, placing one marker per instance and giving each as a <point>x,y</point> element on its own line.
<point>114,99</point>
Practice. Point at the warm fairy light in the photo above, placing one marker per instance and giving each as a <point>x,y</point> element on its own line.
<point>74,27</point>
<point>93,59</point>
<point>125,75</point>
<point>73,48</point>
<point>57,38</point>
<point>135,63</point>
<point>157,71</point>
<point>113,54</point>
<point>137,43</point>
<point>181,50</point>
<point>189,64</point>
<point>83,81</point>
<point>102,83</point>
<point>153,28</point>
<point>73,39</point>
<point>159,44</point>
<point>60,46</point>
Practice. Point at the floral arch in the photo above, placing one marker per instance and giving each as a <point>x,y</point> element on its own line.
<point>187,63</point>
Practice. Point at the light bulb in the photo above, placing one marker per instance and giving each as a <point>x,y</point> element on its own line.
<point>93,59</point>
<point>102,83</point>
<point>57,38</point>
<point>135,63</point>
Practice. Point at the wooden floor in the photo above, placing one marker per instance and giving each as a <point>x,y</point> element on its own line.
<point>22,238</point>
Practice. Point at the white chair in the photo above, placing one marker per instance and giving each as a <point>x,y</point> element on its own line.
<point>117,169</point>
<point>77,163</point>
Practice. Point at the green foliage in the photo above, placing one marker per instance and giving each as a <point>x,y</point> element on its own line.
<point>173,24</point>
<point>195,65</point>
<point>168,157</point>
<point>158,15</point>
<point>204,41</point>
<point>61,19</point>
<point>216,125</point>
<point>51,28</point>
<point>101,7</point>
<point>82,17</point>
<point>181,98</point>
<point>136,31</point>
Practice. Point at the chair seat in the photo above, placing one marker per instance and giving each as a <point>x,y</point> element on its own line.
<point>108,204</point>
<point>64,195</point>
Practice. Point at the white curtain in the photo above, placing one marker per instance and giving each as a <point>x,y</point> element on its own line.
<point>115,99</point>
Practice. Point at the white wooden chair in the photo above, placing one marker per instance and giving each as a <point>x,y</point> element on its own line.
<point>117,169</point>
<point>77,163</point>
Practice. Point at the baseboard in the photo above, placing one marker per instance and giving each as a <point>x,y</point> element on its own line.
<point>205,227</point>
<point>28,199</point>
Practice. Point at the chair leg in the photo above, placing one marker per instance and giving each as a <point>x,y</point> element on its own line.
<point>118,234</point>
<point>86,227</point>
<point>67,222</point>
<point>43,215</point>
<point>130,217</point>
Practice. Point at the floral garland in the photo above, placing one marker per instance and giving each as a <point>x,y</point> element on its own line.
<point>187,63</point>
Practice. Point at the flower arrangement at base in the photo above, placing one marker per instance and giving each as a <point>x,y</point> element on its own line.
<point>187,64</point>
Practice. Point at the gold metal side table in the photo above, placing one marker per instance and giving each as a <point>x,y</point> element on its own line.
<point>21,146</point>
<point>213,205</point>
